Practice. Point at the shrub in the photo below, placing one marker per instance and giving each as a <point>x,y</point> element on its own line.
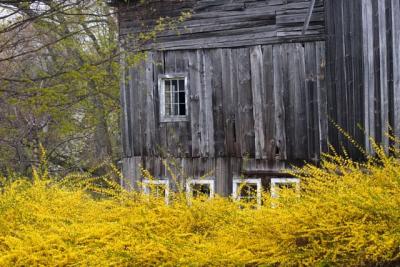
<point>348,214</point>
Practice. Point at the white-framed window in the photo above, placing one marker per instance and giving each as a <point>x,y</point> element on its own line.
<point>280,183</point>
<point>248,190</point>
<point>156,188</point>
<point>173,93</point>
<point>200,187</point>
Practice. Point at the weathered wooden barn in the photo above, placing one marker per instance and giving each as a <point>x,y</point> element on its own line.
<point>243,89</point>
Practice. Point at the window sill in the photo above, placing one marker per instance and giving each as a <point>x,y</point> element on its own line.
<point>175,119</point>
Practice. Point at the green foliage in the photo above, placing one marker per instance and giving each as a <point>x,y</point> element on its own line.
<point>62,88</point>
<point>60,95</point>
<point>347,215</point>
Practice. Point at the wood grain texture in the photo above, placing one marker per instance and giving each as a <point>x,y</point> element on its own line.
<point>245,120</point>
<point>194,71</point>
<point>395,48</point>
<point>149,93</point>
<point>322,97</point>
<point>228,101</point>
<point>279,63</point>
<point>383,73</point>
<point>257,86</point>
<point>362,72</point>
<point>369,77</point>
<point>133,103</point>
<point>125,111</point>
<point>268,108</point>
<point>243,102</point>
<point>131,172</point>
<point>221,24</point>
<point>206,107</point>
<point>261,96</point>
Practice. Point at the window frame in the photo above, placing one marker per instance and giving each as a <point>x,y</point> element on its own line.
<point>208,180</point>
<point>161,86</point>
<point>275,181</point>
<point>237,181</point>
<point>146,187</point>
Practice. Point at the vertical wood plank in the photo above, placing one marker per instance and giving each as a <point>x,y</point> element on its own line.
<point>162,146</point>
<point>356,52</point>
<point>279,60</point>
<point>150,132</point>
<point>206,107</point>
<point>222,175</point>
<point>289,98</point>
<point>322,97</point>
<point>195,69</point>
<point>234,90</point>
<point>245,103</point>
<point>369,77</point>
<point>135,106</point>
<point>268,102</point>
<point>257,85</point>
<point>160,133</point>
<point>141,104</point>
<point>228,101</point>
<point>312,101</point>
<point>131,172</point>
<point>395,9</point>
<point>301,145</point>
<point>217,102</point>
<point>126,113</point>
<point>348,74</point>
<point>384,101</point>
<point>331,49</point>
<point>341,98</point>
<point>202,115</point>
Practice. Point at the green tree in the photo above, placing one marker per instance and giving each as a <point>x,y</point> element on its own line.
<point>59,84</point>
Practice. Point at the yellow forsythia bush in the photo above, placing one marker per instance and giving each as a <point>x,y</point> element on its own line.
<point>347,214</point>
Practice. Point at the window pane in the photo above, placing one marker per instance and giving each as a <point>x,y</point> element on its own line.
<point>182,85</point>
<point>201,190</point>
<point>248,192</point>
<point>159,190</point>
<point>182,109</point>
<point>167,86</point>
<point>174,85</point>
<point>176,98</point>
<point>181,97</point>
<point>176,109</point>
<point>167,103</point>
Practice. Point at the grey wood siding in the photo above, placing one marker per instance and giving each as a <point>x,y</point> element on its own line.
<point>363,47</point>
<point>223,23</point>
<point>261,95</point>
<point>263,102</point>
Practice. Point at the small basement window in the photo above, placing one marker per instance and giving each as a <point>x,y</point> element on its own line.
<point>173,97</point>
<point>156,188</point>
<point>282,183</point>
<point>198,188</point>
<point>247,190</point>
